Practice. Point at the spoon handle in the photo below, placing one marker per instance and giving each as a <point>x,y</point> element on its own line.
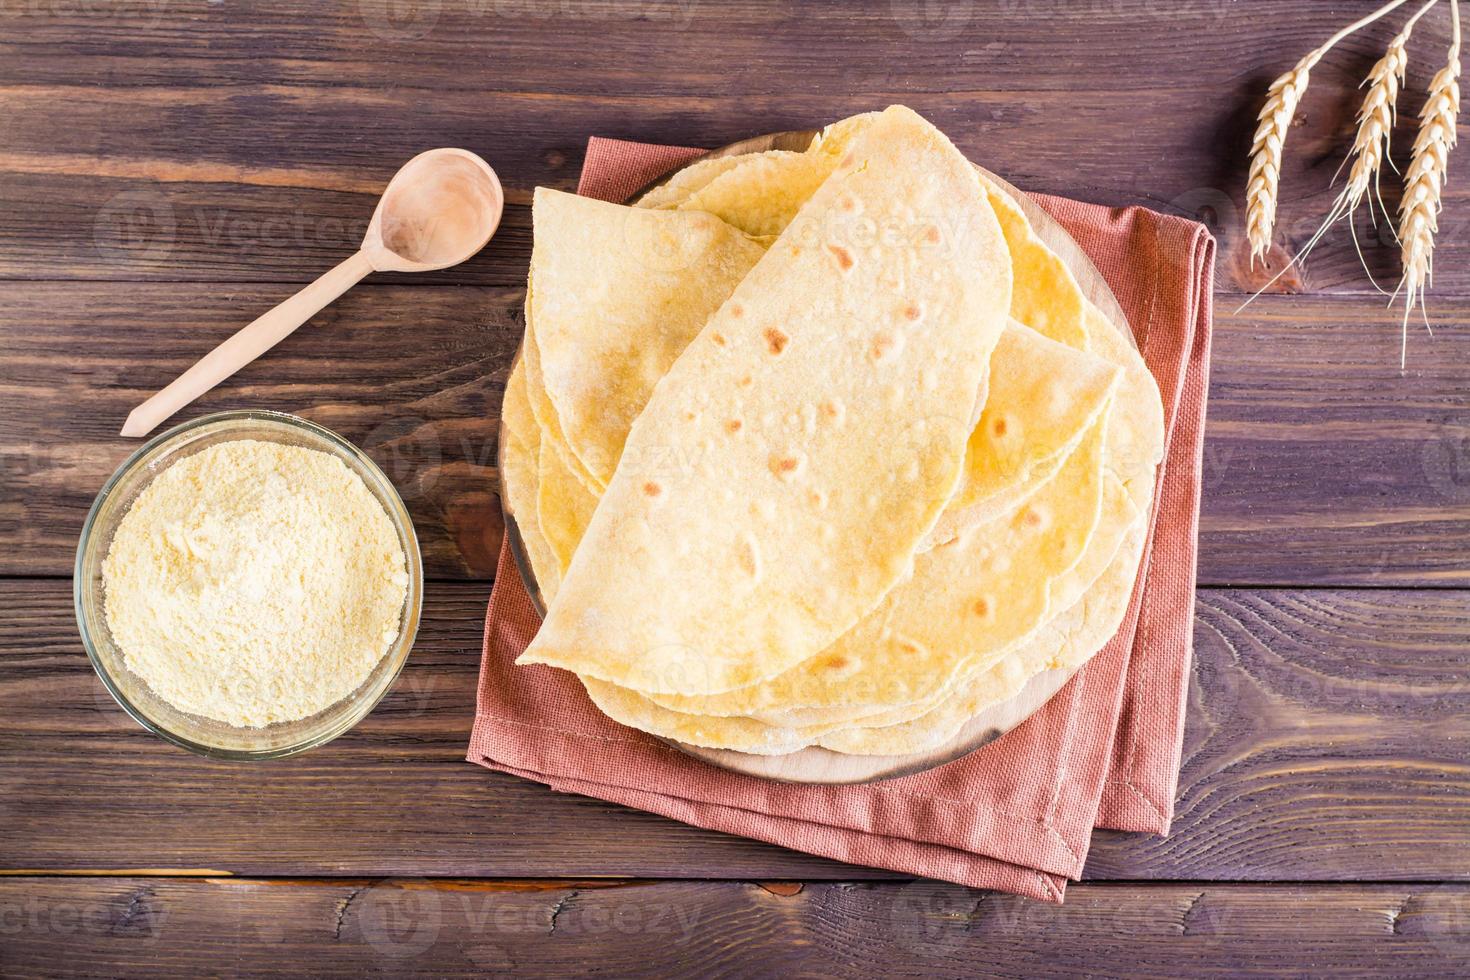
<point>247,344</point>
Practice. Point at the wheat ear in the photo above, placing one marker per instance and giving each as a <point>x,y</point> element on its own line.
<point>1376,117</point>
<point>1424,181</point>
<point>1275,119</point>
<point>1265,173</point>
<point>1365,159</point>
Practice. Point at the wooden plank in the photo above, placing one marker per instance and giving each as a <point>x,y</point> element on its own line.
<point>1319,724</point>
<point>1323,464</point>
<point>165,927</point>
<point>128,156</point>
<point>414,376</point>
<point>1326,464</point>
<point>323,44</point>
<point>1326,740</point>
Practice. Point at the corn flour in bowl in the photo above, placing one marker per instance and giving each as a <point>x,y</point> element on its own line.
<point>248,585</point>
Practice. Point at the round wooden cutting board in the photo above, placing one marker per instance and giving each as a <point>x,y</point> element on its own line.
<point>818,765</point>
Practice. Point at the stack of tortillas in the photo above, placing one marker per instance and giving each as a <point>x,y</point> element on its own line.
<point>821,448</point>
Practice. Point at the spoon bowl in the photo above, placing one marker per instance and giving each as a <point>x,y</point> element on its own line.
<point>438,210</point>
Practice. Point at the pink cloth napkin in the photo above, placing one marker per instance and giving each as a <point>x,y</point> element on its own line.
<point>1016,815</point>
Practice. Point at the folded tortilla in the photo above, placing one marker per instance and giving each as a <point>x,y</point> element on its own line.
<point>808,494</point>
<point>1014,561</point>
<point>616,294</point>
<point>1084,603</point>
<point>519,478</point>
<point>967,600</point>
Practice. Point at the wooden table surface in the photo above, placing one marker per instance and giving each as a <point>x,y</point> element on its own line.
<point>170,170</point>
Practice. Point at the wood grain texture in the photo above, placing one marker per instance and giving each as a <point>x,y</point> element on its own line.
<point>725,928</point>
<point>1323,464</point>
<point>194,141</point>
<point>1325,741</point>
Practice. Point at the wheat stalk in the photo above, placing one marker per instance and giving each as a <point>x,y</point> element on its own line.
<point>1376,117</point>
<point>1424,182</point>
<point>1263,182</point>
<point>1265,173</point>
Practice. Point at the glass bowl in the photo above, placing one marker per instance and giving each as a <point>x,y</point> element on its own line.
<point>206,736</point>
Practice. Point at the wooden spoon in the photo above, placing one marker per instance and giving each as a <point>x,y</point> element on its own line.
<point>438,210</point>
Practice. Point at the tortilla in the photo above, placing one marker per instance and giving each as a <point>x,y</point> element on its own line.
<point>708,590</point>
<point>1064,644</point>
<point>519,478</point>
<point>891,731</point>
<point>564,508</point>
<point>1046,298</point>
<point>742,196</point>
<point>552,438</point>
<point>676,189</point>
<point>762,195</point>
<point>618,294</point>
<point>1109,408</point>
<point>967,600</point>
<point>1043,397</point>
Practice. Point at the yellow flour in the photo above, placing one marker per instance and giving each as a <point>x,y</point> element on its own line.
<point>255,582</point>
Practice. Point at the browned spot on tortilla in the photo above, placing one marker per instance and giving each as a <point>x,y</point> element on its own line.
<point>931,234</point>
<point>788,466</point>
<point>911,311</point>
<point>838,662</point>
<point>733,426</point>
<point>736,310</point>
<point>1032,518</point>
<point>748,555</point>
<point>776,341</point>
<point>883,345</point>
<point>848,203</point>
<point>999,426</point>
<point>909,646</point>
<point>842,255</point>
<point>745,381</point>
<point>718,338</point>
<point>982,606</point>
<point>652,489</point>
